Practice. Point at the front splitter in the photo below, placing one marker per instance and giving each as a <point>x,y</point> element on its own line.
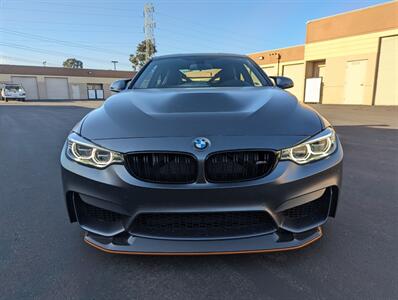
<point>259,244</point>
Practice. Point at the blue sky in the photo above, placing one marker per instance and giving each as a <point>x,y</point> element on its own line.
<point>98,31</point>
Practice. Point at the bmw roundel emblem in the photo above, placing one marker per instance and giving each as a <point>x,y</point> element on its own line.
<point>201,143</point>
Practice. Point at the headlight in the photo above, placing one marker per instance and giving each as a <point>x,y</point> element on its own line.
<point>87,153</point>
<point>317,147</point>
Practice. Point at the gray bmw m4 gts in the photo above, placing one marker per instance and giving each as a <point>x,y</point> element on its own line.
<point>201,154</point>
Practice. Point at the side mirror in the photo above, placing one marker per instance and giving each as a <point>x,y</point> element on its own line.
<point>119,85</point>
<point>283,82</point>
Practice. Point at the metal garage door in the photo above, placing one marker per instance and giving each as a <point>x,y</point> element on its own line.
<point>355,81</point>
<point>29,84</point>
<point>57,88</point>
<point>76,91</point>
<point>387,75</point>
<point>296,73</point>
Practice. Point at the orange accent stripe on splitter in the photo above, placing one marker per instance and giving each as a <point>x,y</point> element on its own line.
<point>207,253</point>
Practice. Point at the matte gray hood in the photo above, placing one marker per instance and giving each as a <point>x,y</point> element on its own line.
<point>194,112</point>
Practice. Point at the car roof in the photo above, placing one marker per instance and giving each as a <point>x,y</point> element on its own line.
<point>198,55</point>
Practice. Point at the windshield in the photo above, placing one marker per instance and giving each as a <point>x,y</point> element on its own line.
<point>188,72</point>
<point>13,89</point>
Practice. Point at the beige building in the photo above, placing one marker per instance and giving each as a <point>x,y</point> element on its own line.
<point>350,58</point>
<point>61,83</point>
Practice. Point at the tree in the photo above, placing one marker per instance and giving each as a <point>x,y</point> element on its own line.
<point>139,59</point>
<point>73,63</point>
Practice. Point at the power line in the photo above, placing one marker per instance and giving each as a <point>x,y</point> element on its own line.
<point>78,5</point>
<point>176,45</point>
<point>173,37</point>
<point>202,34</point>
<point>22,59</point>
<point>205,38</point>
<point>64,23</point>
<point>60,42</point>
<point>210,36</point>
<point>197,41</point>
<point>174,41</point>
<point>52,52</point>
<point>64,12</point>
<point>185,20</point>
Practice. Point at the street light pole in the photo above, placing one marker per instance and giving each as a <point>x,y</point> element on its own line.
<point>114,64</point>
<point>278,57</point>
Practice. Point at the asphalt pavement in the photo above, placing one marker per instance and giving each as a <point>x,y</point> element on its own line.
<point>42,256</point>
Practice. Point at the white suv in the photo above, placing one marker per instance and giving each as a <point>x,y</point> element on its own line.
<point>13,91</point>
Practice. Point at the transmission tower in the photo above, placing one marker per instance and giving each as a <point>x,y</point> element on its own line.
<point>149,26</point>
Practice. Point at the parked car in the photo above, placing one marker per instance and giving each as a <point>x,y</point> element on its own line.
<point>201,154</point>
<point>13,91</point>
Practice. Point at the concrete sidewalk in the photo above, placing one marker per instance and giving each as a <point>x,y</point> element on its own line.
<point>351,115</point>
<point>79,103</point>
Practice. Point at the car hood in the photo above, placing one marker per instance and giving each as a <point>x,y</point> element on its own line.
<point>193,112</point>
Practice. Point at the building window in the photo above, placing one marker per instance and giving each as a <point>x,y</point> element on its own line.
<point>95,91</point>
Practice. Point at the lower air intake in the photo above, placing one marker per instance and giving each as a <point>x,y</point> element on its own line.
<point>203,225</point>
<point>99,214</point>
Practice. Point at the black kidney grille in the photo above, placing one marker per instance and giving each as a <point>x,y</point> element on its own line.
<point>163,167</point>
<point>239,165</point>
<point>203,225</point>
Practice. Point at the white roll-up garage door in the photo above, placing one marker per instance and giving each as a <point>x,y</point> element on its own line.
<point>29,84</point>
<point>57,88</point>
<point>296,73</point>
<point>387,75</point>
<point>270,71</point>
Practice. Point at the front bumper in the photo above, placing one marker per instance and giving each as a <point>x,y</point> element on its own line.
<point>284,194</point>
<point>17,97</point>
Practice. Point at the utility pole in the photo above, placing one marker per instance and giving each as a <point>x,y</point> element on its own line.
<point>114,64</point>
<point>149,26</point>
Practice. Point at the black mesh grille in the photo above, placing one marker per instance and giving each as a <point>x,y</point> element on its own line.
<point>97,213</point>
<point>163,167</point>
<point>310,210</point>
<point>203,225</point>
<point>302,211</point>
<point>239,165</point>
<point>308,215</point>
